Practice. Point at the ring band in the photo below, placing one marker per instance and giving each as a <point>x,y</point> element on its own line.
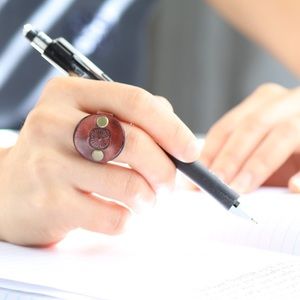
<point>99,138</point>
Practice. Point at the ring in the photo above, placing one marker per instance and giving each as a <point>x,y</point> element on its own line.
<point>99,138</point>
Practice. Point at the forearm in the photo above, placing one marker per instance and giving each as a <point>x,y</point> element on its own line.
<point>275,24</point>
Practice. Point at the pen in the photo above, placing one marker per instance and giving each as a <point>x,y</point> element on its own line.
<point>62,55</point>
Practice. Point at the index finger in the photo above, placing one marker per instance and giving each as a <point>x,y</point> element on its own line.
<point>135,105</point>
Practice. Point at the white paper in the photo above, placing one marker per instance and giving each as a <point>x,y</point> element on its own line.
<point>172,252</point>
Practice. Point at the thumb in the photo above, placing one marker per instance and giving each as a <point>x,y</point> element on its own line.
<point>294,183</point>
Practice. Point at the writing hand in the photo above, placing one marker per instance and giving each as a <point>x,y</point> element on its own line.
<point>46,186</point>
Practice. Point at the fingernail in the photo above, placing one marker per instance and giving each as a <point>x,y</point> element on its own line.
<point>294,184</point>
<point>242,182</point>
<point>193,150</point>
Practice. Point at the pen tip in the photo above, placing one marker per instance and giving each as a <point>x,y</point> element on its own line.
<point>240,213</point>
<point>254,221</point>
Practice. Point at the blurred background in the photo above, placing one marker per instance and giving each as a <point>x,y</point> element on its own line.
<point>203,65</point>
<point>179,49</point>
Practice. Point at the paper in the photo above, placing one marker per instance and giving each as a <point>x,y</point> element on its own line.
<point>172,271</point>
<point>7,294</point>
<point>173,252</point>
<point>279,281</point>
<point>277,213</point>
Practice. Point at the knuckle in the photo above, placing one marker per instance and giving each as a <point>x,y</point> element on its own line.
<point>269,88</point>
<point>296,91</point>
<point>133,185</point>
<point>164,176</point>
<point>222,128</point>
<point>45,167</point>
<point>176,133</point>
<point>140,101</point>
<point>43,123</point>
<point>168,174</point>
<point>117,221</point>
<point>36,123</point>
<point>58,87</point>
<point>260,165</point>
<point>255,122</point>
<point>284,131</point>
<point>230,155</point>
<point>164,101</point>
<point>288,130</point>
<point>56,83</point>
<point>138,141</point>
<point>134,138</point>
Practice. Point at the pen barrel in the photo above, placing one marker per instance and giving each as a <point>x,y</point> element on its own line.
<point>64,59</point>
<point>209,182</point>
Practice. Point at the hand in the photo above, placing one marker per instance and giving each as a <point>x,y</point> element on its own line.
<point>258,142</point>
<point>46,186</point>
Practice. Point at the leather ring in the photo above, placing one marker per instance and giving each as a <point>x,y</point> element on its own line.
<point>99,138</point>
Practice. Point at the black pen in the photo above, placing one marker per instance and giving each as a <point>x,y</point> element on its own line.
<point>62,55</point>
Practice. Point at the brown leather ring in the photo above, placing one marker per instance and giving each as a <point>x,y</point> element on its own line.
<point>99,138</point>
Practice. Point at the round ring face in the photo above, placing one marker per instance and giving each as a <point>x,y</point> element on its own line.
<point>99,138</point>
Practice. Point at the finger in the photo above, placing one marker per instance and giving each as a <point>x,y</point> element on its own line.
<point>246,137</point>
<point>273,151</point>
<point>111,181</point>
<point>133,105</point>
<point>147,158</point>
<point>96,214</point>
<point>184,183</point>
<point>294,183</point>
<point>239,146</point>
<point>140,152</point>
<point>221,131</point>
<point>165,102</point>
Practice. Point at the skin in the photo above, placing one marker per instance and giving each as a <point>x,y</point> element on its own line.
<point>258,142</point>
<point>46,185</point>
<point>274,24</point>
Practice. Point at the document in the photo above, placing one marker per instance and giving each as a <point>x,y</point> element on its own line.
<point>187,247</point>
<point>276,211</point>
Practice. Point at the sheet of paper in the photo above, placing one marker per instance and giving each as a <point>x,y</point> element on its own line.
<point>7,294</point>
<point>168,271</point>
<point>172,252</point>
<point>278,281</point>
<point>276,210</point>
